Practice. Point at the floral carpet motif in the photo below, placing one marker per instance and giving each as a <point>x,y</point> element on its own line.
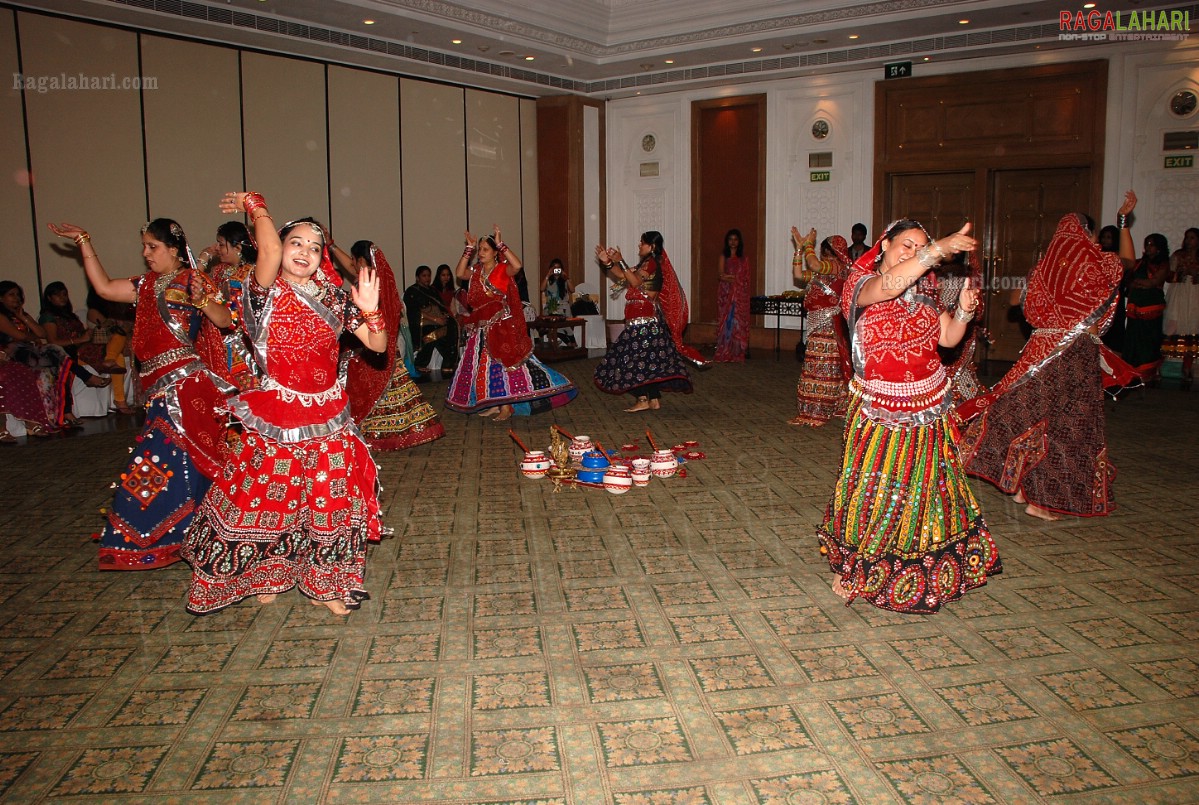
<point>677,645</point>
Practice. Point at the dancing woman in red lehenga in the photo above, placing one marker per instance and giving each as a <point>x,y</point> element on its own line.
<point>385,403</point>
<point>297,502</point>
<point>182,444</point>
<point>824,380</point>
<point>1039,433</point>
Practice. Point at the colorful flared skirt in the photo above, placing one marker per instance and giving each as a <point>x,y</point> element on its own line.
<point>156,498</point>
<point>401,418</point>
<point>643,354</point>
<point>903,530</point>
<point>480,382</point>
<point>283,515</point>
<point>1046,437</point>
<point>822,391</point>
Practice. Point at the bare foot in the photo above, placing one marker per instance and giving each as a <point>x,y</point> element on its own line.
<point>489,412</point>
<point>504,414</point>
<point>839,587</point>
<point>642,404</point>
<point>335,606</point>
<point>1020,496</point>
<point>654,405</point>
<point>1044,514</point>
<point>266,598</point>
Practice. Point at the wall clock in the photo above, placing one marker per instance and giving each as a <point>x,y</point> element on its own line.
<point>1183,103</point>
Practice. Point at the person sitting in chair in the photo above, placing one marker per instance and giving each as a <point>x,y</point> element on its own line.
<point>431,323</point>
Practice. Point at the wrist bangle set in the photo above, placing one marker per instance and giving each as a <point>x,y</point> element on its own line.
<point>963,315</point>
<point>374,321</point>
<point>1121,221</point>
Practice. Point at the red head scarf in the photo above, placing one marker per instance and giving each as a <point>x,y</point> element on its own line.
<point>840,248</point>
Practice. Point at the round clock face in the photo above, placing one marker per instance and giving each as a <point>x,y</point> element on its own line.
<point>1183,103</point>
<point>648,143</point>
<point>820,129</point>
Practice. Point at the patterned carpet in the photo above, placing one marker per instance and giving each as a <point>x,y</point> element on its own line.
<point>678,644</point>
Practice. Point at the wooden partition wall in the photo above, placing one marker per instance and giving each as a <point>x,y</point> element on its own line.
<point>1010,151</point>
<point>406,163</point>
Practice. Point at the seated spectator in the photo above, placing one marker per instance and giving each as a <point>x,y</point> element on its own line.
<point>114,327</point>
<point>66,330</point>
<point>432,324</point>
<point>25,344</point>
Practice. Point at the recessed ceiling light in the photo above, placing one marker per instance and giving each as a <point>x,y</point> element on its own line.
<point>756,50</point>
<point>1088,5</point>
<point>963,22</point>
<point>670,61</point>
<point>819,41</point>
<point>368,22</point>
<point>853,36</point>
<point>926,58</point>
<point>507,52</point>
<point>456,41</point>
<point>530,58</point>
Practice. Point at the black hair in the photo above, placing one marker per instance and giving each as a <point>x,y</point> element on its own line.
<point>5,287</point>
<point>50,307</point>
<point>1114,234</point>
<point>653,239</point>
<point>857,228</point>
<point>361,250</point>
<point>422,269</point>
<point>237,236</point>
<point>437,275</point>
<point>308,220</point>
<point>170,234</point>
<point>1163,246</point>
<point>740,243</point>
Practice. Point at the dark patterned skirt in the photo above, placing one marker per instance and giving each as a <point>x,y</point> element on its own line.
<point>1046,437</point>
<point>643,354</point>
<point>282,515</point>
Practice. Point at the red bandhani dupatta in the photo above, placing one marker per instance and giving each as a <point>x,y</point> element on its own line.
<point>369,372</point>
<point>1070,290</point>
<point>675,309</point>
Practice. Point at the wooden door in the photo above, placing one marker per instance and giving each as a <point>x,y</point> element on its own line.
<point>1026,206</point>
<point>940,201</point>
<point>728,186</point>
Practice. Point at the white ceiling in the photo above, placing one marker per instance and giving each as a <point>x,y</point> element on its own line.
<point>610,48</point>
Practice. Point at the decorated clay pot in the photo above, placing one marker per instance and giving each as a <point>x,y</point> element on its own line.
<point>640,473</point>
<point>617,479</point>
<point>535,464</point>
<point>663,464</point>
<point>579,446</point>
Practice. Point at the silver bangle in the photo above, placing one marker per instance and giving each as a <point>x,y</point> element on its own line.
<point>958,315</point>
<point>927,258</point>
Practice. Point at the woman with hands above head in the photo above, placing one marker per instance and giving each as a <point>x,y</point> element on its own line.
<point>182,444</point>
<point>1039,433</point>
<point>903,530</point>
<point>645,360</point>
<point>497,374</point>
<point>297,501</point>
<point>823,380</point>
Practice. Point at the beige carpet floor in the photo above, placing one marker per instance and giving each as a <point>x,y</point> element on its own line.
<point>677,644</point>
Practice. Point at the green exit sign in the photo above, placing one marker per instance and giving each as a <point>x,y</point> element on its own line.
<point>1187,161</point>
<point>898,69</point>
<point>821,176</point>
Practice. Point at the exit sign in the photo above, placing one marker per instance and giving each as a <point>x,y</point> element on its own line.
<point>1187,161</point>
<point>821,176</point>
<point>899,69</point>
